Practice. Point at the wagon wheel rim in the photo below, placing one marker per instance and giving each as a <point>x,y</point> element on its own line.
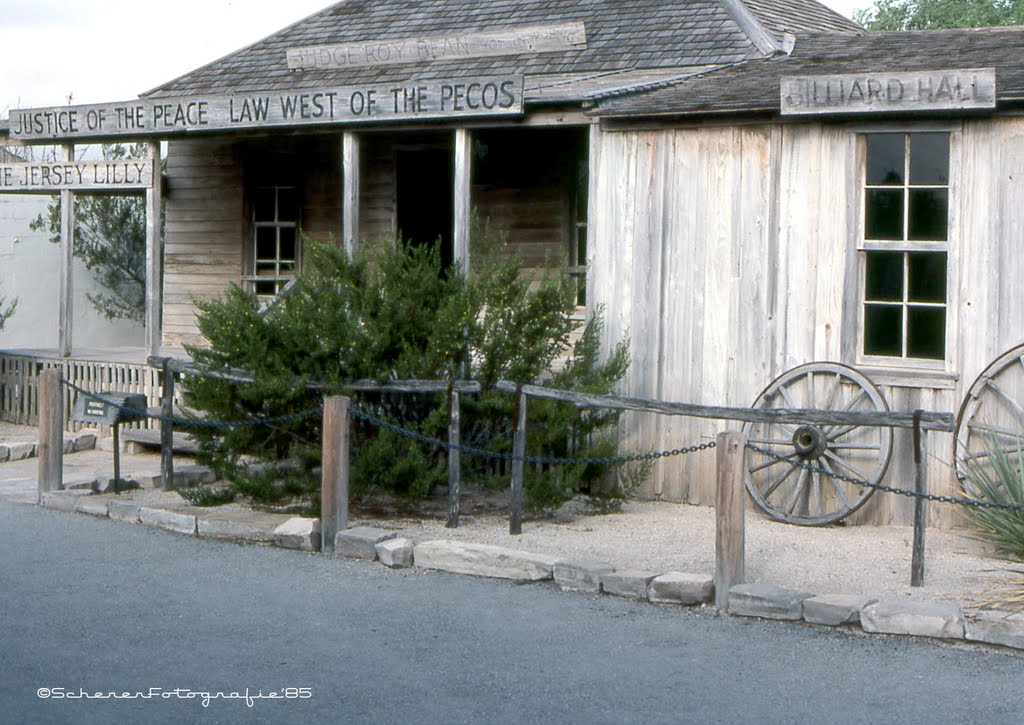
<point>991,418</point>
<point>779,481</point>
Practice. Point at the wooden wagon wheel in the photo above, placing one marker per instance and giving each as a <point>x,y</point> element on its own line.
<point>783,488</point>
<point>991,418</point>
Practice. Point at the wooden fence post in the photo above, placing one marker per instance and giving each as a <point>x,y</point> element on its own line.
<point>50,475</point>
<point>515,523</point>
<point>920,504</point>
<point>167,428</point>
<point>730,497</point>
<point>334,471</point>
<point>454,459</point>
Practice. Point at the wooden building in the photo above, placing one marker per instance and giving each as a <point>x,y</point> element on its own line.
<point>738,182</point>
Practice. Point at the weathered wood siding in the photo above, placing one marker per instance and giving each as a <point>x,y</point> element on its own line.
<point>204,231</point>
<point>728,256</point>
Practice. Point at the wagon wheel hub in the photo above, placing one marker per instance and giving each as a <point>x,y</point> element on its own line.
<point>810,442</point>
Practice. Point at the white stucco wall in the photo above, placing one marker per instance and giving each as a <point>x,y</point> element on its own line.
<point>30,270</point>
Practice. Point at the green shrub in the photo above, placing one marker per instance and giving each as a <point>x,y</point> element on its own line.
<point>998,477</point>
<point>393,312</point>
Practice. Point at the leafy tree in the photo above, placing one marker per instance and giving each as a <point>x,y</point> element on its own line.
<point>110,237</point>
<point>930,14</point>
<point>393,312</point>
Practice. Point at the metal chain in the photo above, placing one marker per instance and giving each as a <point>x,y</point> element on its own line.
<point>195,422</point>
<point>888,489</point>
<point>550,460</point>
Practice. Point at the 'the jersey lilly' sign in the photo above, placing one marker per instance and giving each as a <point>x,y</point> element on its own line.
<point>483,96</point>
<point>938,90</point>
<point>35,178</point>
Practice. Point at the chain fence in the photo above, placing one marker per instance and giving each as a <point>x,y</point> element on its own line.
<point>367,417</point>
<point>939,498</point>
<point>360,414</point>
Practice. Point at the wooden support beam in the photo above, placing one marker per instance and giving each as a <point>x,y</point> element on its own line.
<point>454,458</point>
<point>154,256</point>
<point>730,496</point>
<point>515,522</point>
<point>920,503</point>
<point>66,289</point>
<point>334,471</point>
<point>167,428</point>
<point>463,198</point>
<point>50,470</point>
<point>350,191</point>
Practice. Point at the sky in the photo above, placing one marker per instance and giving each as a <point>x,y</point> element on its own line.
<point>92,51</point>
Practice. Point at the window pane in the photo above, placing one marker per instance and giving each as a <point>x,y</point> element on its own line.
<point>266,243</point>
<point>885,158</point>
<point>926,277</point>
<point>287,205</point>
<point>287,251</point>
<point>883,330</point>
<point>884,277</point>
<point>883,214</point>
<point>926,332</point>
<point>266,287</point>
<point>263,205</point>
<point>929,213</point>
<point>929,159</point>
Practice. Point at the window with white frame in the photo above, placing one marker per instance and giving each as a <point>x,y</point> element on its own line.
<point>905,245</point>
<point>274,252</point>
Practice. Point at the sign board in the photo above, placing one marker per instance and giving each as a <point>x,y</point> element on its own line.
<point>450,46</point>
<point>50,177</point>
<point>372,103</point>
<point>940,90</point>
<point>109,408</point>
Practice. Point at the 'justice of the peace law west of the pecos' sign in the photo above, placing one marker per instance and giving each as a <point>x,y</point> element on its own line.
<point>482,96</point>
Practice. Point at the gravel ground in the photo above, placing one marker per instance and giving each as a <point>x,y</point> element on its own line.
<point>660,537</point>
<point>17,433</point>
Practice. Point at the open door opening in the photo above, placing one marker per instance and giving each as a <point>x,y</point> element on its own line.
<point>424,203</point>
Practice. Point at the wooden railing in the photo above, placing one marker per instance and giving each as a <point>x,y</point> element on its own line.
<point>19,385</point>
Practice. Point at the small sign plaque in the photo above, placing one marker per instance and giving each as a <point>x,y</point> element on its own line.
<point>938,90</point>
<point>449,46</point>
<point>47,178</point>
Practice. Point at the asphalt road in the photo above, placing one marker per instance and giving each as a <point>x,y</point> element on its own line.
<point>98,606</point>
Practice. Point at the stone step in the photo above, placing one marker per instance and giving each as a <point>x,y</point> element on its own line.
<point>150,439</point>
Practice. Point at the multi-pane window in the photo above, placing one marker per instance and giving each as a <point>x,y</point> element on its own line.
<point>577,253</point>
<point>275,251</point>
<point>905,246</point>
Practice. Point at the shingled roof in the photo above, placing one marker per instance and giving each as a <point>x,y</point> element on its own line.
<point>628,41</point>
<point>753,86</point>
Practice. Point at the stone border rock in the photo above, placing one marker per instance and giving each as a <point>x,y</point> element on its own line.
<point>911,618</point>
<point>10,452</point>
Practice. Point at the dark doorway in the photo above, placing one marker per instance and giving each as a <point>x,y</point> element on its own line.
<point>424,201</point>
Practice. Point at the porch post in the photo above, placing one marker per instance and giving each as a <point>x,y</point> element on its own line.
<point>350,191</point>
<point>154,257</point>
<point>67,249</point>
<point>463,200</point>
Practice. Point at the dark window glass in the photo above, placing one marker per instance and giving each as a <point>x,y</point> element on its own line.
<point>263,205</point>
<point>929,213</point>
<point>266,287</point>
<point>883,330</point>
<point>885,158</point>
<point>287,205</point>
<point>884,277</point>
<point>929,159</point>
<point>287,249</point>
<point>266,243</point>
<point>926,332</point>
<point>883,214</point>
<point>926,277</point>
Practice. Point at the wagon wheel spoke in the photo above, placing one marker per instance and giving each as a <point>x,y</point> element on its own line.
<point>990,423</point>
<point>814,495</point>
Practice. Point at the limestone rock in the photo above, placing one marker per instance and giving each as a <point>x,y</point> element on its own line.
<point>396,553</point>
<point>767,600</point>
<point>922,619</point>
<point>676,587</point>
<point>484,560</point>
<point>298,533</point>
<point>996,627</point>
<point>628,583</point>
<point>834,610</point>
<point>171,520</point>
<point>581,575</point>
